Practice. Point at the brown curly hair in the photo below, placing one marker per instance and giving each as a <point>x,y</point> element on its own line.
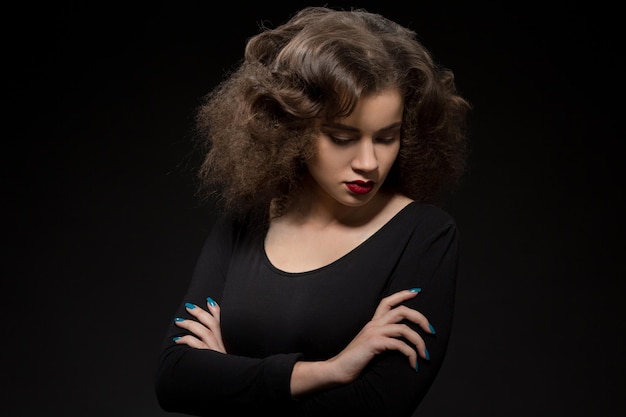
<point>257,127</point>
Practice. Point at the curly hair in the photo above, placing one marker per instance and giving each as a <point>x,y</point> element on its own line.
<point>257,127</point>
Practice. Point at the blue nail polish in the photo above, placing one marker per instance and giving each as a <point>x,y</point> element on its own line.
<point>175,338</point>
<point>210,301</point>
<point>432,329</point>
<point>179,319</point>
<point>417,367</point>
<point>415,290</point>
<point>427,354</point>
<point>190,306</point>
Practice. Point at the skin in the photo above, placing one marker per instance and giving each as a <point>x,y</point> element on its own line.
<point>362,146</point>
<point>327,222</point>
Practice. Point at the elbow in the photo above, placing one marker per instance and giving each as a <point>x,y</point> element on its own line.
<point>163,392</point>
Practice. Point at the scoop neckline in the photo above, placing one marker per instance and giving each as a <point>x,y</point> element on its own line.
<point>341,259</point>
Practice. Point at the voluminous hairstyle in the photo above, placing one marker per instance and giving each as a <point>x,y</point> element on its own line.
<point>257,128</point>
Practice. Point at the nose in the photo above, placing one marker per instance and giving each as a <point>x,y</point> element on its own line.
<point>365,156</point>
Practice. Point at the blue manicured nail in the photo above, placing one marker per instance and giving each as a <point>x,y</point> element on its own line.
<point>415,290</point>
<point>417,367</point>
<point>432,329</point>
<point>427,354</point>
<point>190,306</point>
<point>175,338</point>
<point>210,301</point>
<point>179,319</point>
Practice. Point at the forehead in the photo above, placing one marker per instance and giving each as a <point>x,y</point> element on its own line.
<point>376,111</point>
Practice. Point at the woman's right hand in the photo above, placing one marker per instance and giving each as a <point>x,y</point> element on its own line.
<point>206,331</point>
<point>382,333</point>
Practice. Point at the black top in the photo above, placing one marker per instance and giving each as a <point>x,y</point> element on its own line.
<point>271,318</point>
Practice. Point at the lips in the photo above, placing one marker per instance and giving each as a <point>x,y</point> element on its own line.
<point>360,187</point>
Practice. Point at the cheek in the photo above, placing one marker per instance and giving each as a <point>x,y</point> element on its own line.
<point>389,156</point>
<point>330,157</point>
<point>321,166</point>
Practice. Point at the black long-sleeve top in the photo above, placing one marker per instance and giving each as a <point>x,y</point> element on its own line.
<point>270,319</point>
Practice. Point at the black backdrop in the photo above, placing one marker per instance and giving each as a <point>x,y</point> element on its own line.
<point>103,227</point>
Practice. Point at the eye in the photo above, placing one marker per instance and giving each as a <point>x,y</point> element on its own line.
<point>340,141</point>
<point>387,140</point>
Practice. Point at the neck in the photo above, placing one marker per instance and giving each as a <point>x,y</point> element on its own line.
<point>316,208</point>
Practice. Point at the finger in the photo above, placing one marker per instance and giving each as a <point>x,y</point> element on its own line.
<point>210,319</point>
<point>214,308</point>
<point>404,331</point>
<point>201,332</point>
<point>198,329</point>
<point>400,313</point>
<point>391,301</point>
<point>374,332</point>
<point>215,311</point>
<point>191,342</point>
<point>396,344</point>
<point>203,316</point>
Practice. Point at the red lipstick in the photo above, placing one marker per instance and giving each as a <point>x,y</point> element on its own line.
<point>360,187</point>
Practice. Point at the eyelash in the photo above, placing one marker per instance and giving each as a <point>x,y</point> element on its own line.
<point>387,141</point>
<point>344,142</point>
<point>339,141</point>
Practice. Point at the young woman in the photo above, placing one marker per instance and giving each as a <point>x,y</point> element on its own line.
<point>326,288</point>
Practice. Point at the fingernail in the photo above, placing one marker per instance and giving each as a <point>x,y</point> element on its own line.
<point>415,290</point>
<point>427,354</point>
<point>175,338</point>
<point>417,367</point>
<point>432,329</point>
<point>210,301</point>
<point>190,306</point>
<point>179,319</point>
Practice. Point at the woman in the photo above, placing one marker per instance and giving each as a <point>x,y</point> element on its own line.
<point>327,286</point>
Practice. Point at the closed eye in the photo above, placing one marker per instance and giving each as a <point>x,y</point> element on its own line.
<point>387,141</point>
<point>341,141</point>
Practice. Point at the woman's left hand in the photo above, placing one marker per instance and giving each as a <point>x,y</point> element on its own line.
<point>207,332</point>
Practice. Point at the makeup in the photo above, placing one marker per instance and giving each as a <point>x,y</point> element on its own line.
<point>360,187</point>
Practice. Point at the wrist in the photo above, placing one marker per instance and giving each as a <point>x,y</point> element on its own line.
<point>308,377</point>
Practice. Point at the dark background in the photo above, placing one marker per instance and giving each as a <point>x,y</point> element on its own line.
<point>103,227</point>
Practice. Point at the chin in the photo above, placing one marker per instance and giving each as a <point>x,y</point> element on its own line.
<point>359,200</point>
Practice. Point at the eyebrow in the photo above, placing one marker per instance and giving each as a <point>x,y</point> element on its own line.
<point>340,126</point>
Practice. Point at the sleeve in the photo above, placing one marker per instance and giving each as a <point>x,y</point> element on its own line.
<point>200,382</point>
<point>389,386</point>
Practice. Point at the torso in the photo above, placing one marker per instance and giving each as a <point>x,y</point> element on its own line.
<point>295,245</point>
